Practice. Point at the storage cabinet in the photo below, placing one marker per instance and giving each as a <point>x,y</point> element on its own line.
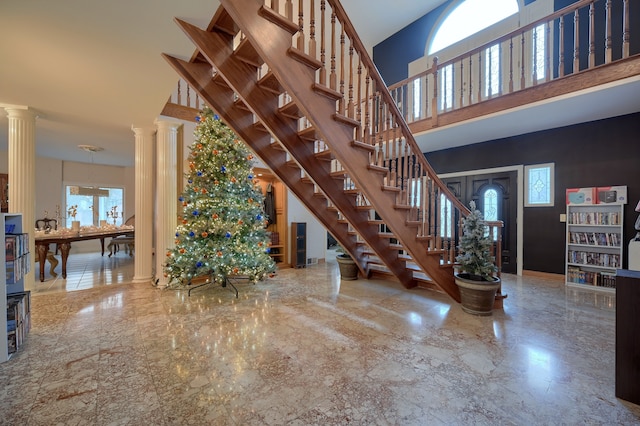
<point>299,244</point>
<point>15,303</point>
<point>594,245</point>
<point>628,336</point>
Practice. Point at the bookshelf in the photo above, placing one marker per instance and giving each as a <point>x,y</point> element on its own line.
<point>594,249</point>
<point>14,301</point>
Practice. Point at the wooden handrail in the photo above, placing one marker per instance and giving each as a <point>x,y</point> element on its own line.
<point>569,13</point>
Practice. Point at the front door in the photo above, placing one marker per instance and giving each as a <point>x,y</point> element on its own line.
<point>496,196</point>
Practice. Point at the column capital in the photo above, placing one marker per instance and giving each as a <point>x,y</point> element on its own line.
<point>20,111</point>
<point>143,130</point>
<point>167,124</point>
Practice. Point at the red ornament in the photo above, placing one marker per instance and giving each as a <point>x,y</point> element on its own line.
<point>182,251</point>
<point>204,234</point>
<point>219,254</point>
<point>235,270</point>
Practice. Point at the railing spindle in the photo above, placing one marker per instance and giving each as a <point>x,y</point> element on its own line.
<point>312,29</point>
<point>561,50</point>
<point>300,44</point>
<point>510,64</point>
<point>608,42</point>
<point>592,37</point>
<point>323,70</point>
<point>576,41</point>
<point>626,30</point>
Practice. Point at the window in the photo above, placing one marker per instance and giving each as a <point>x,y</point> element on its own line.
<point>490,207</point>
<point>417,97</point>
<point>538,185</point>
<point>446,223</point>
<point>469,17</point>
<point>492,71</point>
<point>446,87</point>
<point>538,51</point>
<point>94,204</point>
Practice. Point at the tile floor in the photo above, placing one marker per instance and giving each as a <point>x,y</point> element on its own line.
<point>304,348</point>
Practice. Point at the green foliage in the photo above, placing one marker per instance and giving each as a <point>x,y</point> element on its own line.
<point>475,246</point>
<point>221,231</point>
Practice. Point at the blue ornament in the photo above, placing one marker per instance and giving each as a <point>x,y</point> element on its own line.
<point>198,118</point>
<point>227,235</point>
<point>192,234</point>
<point>195,213</point>
<point>190,181</point>
<point>216,117</point>
<point>250,177</point>
<point>177,234</point>
<point>181,198</point>
<point>223,169</point>
<point>259,217</point>
<point>268,250</point>
<point>199,173</point>
<point>198,264</point>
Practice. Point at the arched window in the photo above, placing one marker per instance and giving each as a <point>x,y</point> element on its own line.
<point>469,17</point>
<point>490,207</point>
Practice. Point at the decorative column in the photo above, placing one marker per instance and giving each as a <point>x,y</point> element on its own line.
<point>143,271</point>
<point>22,174</point>
<point>166,193</point>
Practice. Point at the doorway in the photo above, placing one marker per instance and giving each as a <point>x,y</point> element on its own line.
<point>496,196</point>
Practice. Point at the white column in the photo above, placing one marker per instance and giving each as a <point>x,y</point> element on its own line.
<point>143,271</point>
<point>22,174</point>
<point>166,193</point>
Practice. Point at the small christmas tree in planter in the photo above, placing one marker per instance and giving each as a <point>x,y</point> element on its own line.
<point>476,266</point>
<point>221,232</point>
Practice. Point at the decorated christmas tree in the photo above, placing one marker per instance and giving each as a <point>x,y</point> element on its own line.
<point>221,231</point>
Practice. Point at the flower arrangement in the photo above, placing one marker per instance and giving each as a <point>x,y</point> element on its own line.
<point>73,211</point>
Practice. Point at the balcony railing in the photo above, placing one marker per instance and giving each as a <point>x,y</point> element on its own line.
<point>570,41</point>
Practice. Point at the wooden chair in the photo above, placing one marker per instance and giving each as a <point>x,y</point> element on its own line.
<point>128,241</point>
<point>47,225</point>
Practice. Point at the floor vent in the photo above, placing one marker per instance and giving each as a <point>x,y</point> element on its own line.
<point>312,261</point>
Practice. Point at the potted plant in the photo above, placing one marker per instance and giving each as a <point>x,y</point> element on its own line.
<point>348,267</point>
<point>476,266</point>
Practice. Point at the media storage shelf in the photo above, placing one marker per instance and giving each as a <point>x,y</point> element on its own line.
<point>15,302</point>
<point>594,248</point>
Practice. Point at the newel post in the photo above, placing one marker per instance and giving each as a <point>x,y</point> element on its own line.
<point>434,99</point>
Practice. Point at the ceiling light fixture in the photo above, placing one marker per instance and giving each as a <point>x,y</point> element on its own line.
<point>90,148</point>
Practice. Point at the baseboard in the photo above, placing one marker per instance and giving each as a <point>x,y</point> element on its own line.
<point>546,275</point>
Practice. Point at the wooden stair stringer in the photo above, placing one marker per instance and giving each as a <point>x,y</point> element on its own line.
<point>221,99</point>
<point>218,52</point>
<point>299,80</point>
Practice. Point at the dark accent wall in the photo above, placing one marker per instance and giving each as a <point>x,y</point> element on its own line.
<point>598,153</point>
<point>393,55</point>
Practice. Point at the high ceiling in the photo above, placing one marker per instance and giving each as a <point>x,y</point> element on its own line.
<point>91,70</point>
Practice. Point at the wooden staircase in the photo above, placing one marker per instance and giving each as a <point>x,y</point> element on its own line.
<point>330,131</point>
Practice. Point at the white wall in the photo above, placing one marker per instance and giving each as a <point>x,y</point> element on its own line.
<point>52,175</point>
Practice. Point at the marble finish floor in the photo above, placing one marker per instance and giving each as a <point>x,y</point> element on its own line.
<point>304,348</point>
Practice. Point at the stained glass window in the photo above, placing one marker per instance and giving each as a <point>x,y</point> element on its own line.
<point>490,204</point>
<point>539,185</point>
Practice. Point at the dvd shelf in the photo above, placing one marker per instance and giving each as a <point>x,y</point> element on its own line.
<point>15,263</point>
<point>594,245</point>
